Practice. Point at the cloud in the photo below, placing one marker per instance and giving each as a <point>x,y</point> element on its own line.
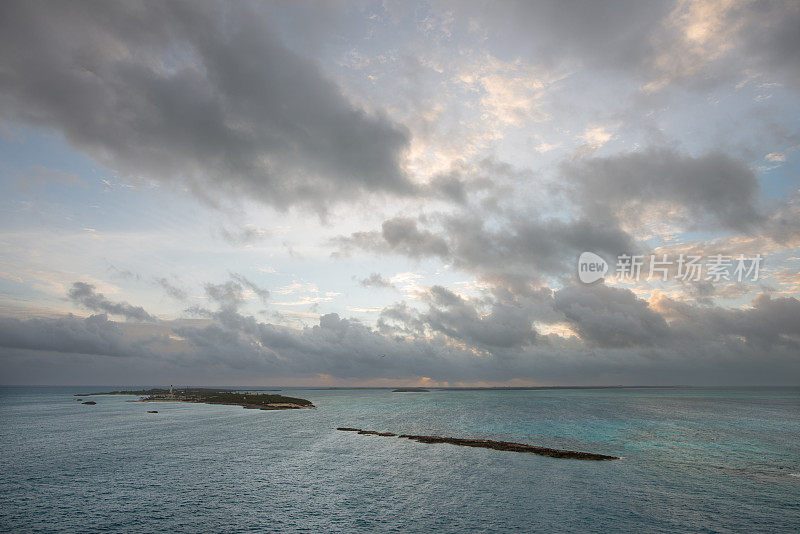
<point>610,35</point>
<point>783,225</point>
<point>69,334</point>
<point>451,186</point>
<point>229,296</point>
<point>701,44</point>
<point>503,325</point>
<point>768,323</point>
<point>262,293</point>
<point>335,346</point>
<point>517,247</point>
<point>622,340</point>
<point>663,44</point>
<point>85,295</point>
<point>207,96</point>
<point>399,235</point>
<point>610,317</point>
<point>170,289</point>
<point>711,188</point>
<point>247,235</point>
<point>199,92</point>
<point>375,280</point>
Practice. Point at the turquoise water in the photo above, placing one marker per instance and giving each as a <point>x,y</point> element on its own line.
<point>699,460</point>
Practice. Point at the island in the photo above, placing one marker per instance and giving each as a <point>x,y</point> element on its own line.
<point>245,399</point>
<point>410,390</point>
<point>490,444</point>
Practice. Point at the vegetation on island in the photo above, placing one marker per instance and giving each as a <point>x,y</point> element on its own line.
<point>246,399</point>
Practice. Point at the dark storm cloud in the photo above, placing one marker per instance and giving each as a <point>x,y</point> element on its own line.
<point>70,334</point>
<point>400,235</point>
<point>771,37</point>
<point>195,91</point>
<point>610,317</point>
<point>530,246</point>
<point>85,295</point>
<point>712,188</point>
<point>768,323</point>
<point>337,347</point>
<point>624,338</point>
<point>504,325</point>
<point>519,247</point>
<point>615,318</point>
<point>624,341</point>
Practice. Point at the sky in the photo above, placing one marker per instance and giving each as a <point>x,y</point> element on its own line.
<point>359,193</point>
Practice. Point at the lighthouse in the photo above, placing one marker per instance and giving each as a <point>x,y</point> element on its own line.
<point>171,393</point>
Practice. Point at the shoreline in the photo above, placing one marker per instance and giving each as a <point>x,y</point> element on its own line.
<point>249,406</point>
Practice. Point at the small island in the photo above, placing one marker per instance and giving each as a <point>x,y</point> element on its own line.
<point>245,399</point>
<point>490,444</point>
<point>410,390</point>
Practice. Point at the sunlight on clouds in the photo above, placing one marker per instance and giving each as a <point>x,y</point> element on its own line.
<point>13,277</point>
<point>408,284</point>
<point>695,34</point>
<point>558,329</point>
<point>595,137</point>
<point>510,91</point>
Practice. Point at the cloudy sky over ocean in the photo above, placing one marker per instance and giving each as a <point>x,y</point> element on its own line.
<point>377,193</point>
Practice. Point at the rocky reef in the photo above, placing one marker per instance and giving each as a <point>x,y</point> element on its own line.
<point>490,444</point>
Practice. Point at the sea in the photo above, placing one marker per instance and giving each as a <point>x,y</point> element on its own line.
<point>692,460</point>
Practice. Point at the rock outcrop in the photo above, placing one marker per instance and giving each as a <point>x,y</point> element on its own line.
<point>490,444</point>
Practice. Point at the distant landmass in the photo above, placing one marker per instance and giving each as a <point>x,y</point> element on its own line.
<point>260,401</point>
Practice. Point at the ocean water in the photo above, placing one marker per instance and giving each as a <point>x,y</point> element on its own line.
<point>694,460</point>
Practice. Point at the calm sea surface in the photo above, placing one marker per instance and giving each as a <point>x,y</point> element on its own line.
<point>699,460</point>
